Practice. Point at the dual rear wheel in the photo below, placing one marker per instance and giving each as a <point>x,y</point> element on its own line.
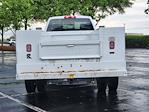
<point>104,82</point>
<point>31,85</point>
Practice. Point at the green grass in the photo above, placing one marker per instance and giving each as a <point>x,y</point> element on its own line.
<point>137,41</point>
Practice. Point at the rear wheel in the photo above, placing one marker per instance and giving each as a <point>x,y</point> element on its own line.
<point>113,84</point>
<point>13,44</point>
<point>101,84</point>
<point>41,85</point>
<point>30,86</point>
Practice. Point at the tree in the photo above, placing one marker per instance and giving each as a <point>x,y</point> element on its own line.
<point>46,8</point>
<point>99,9</point>
<point>4,20</point>
<point>96,8</point>
<point>20,11</point>
<point>147,10</point>
<point>27,9</point>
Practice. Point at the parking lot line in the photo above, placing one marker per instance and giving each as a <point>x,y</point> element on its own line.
<point>37,109</point>
<point>22,94</point>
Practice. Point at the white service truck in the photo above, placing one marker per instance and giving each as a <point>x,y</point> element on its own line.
<point>71,51</point>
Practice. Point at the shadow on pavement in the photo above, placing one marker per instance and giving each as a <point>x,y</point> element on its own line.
<point>74,101</point>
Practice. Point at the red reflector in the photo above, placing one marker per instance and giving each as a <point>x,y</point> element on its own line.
<point>112,45</point>
<point>69,17</point>
<point>28,48</point>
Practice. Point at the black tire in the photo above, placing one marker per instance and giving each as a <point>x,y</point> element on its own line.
<point>102,84</point>
<point>12,44</point>
<point>113,84</point>
<point>30,86</point>
<point>41,85</point>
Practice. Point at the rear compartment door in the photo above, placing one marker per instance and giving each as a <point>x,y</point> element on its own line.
<point>69,45</point>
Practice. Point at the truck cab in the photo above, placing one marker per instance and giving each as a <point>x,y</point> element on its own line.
<point>71,50</point>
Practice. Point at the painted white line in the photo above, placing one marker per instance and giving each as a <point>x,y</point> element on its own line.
<point>37,109</point>
<point>22,94</point>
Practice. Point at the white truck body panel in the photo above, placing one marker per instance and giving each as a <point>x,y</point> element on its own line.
<point>61,46</point>
<point>70,54</point>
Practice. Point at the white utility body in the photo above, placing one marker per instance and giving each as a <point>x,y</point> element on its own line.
<point>65,53</point>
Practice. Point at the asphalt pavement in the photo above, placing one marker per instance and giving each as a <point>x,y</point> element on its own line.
<point>132,95</point>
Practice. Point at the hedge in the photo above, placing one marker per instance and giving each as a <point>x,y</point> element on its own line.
<point>7,48</point>
<point>137,41</point>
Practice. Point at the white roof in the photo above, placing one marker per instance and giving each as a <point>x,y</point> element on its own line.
<point>62,17</point>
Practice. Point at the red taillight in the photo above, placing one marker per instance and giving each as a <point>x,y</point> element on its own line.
<point>28,48</point>
<point>70,17</point>
<point>111,44</point>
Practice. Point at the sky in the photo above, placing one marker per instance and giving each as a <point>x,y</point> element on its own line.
<point>134,19</point>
